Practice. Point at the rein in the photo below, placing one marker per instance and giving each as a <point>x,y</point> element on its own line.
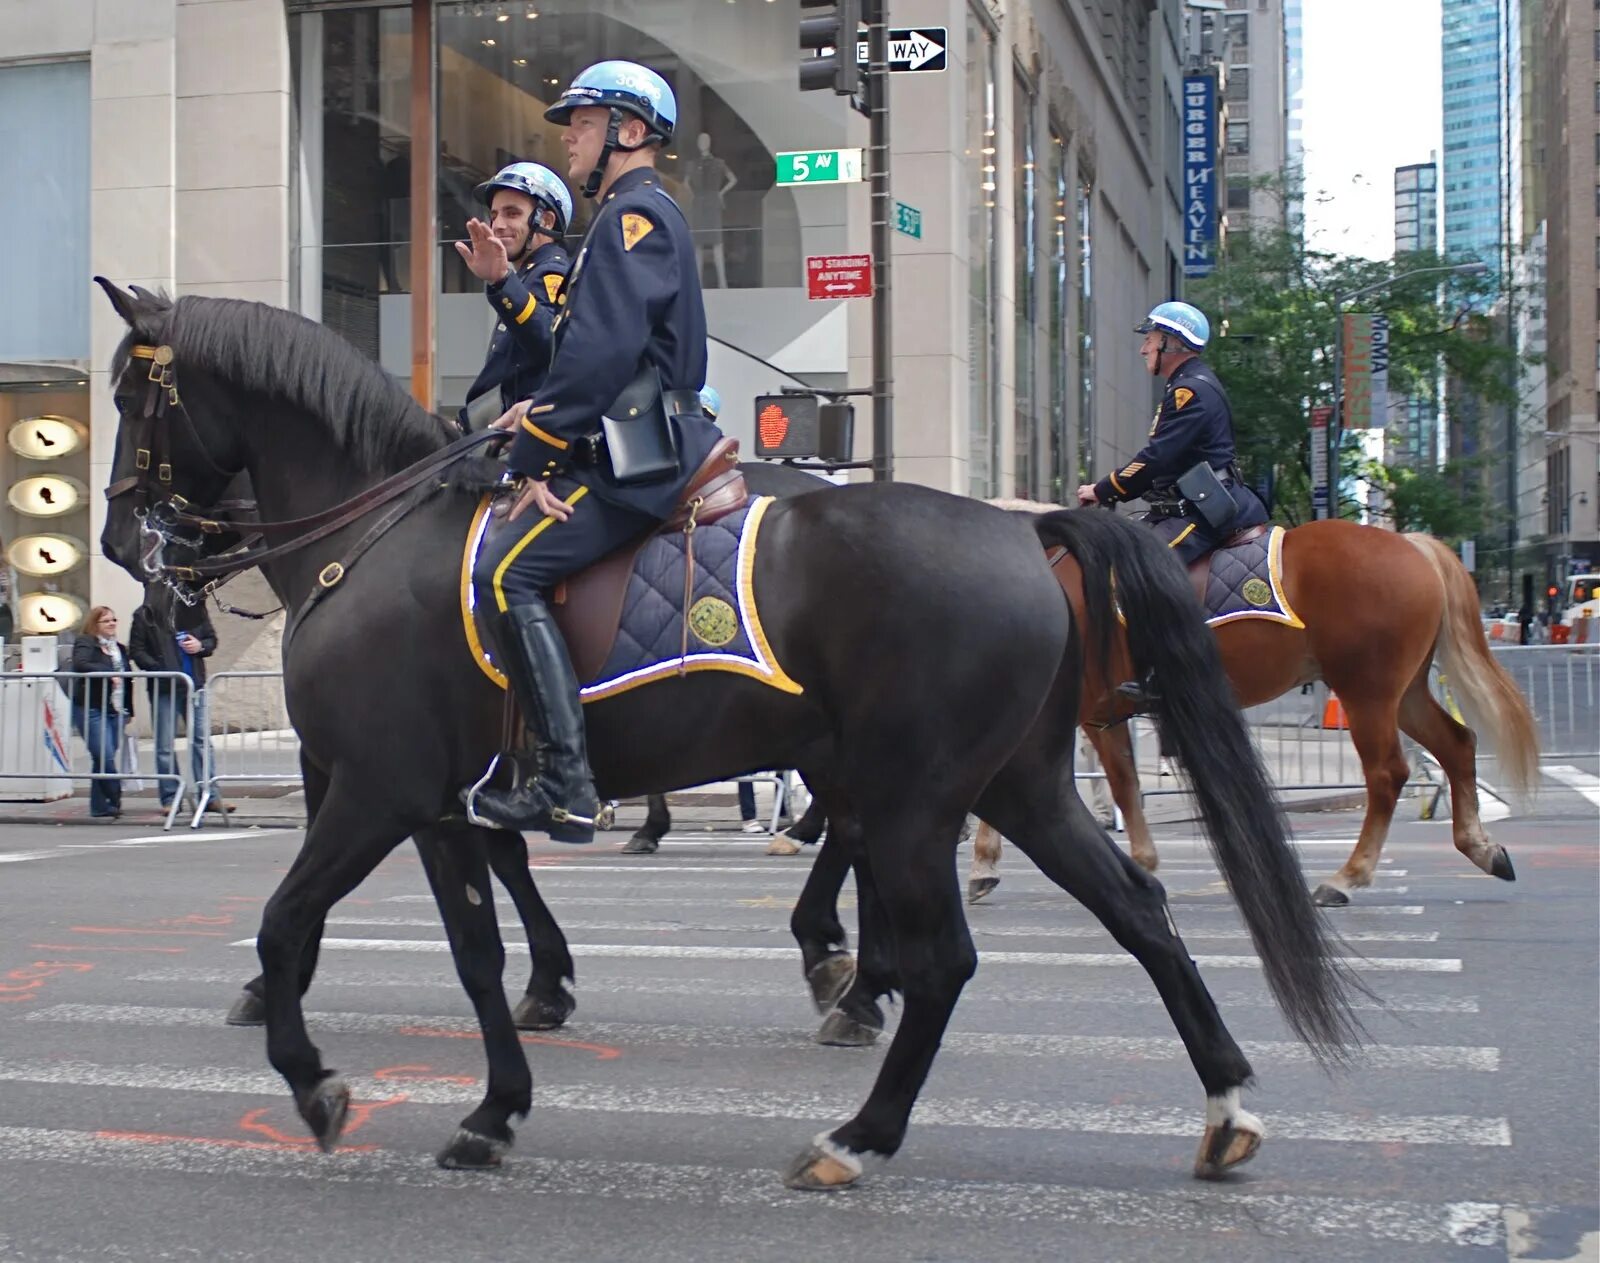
<point>160,510</point>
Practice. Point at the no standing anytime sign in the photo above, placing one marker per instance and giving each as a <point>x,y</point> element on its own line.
<point>838,276</point>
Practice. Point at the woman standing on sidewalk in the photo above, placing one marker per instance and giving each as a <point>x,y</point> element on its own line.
<point>102,708</point>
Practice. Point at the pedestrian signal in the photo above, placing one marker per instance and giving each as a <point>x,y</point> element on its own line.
<point>786,426</point>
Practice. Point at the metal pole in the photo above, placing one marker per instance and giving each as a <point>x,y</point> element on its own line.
<point>424,196</point>
<point>882,209</point>
<point>1330,436</point>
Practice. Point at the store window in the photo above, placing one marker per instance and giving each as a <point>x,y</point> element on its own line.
<point>1086,426</point>
<point>982,241</point>
<point>1058,471</point>
<point>1025,281</point>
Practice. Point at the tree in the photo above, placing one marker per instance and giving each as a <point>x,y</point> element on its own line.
<point>1271,300</point>
<point>1448,502</point>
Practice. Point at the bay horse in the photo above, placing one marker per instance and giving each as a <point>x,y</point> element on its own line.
<point>924,696</point>
<point>1379,610</point>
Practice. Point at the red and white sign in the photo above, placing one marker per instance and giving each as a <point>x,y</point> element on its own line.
<point>838,276</point>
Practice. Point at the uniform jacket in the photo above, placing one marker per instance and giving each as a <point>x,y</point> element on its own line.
<point>525,302</point>
<point>1193,424</point>
<point>153,645</point>
<point>632,297</point>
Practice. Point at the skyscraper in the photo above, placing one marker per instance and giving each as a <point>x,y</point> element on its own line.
<point>1416,207</point>
<point>1474,129</point>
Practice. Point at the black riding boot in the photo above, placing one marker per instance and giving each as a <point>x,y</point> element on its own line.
<point>558,797</point>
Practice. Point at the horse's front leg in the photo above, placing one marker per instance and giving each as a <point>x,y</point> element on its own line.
<point>548,1002</point>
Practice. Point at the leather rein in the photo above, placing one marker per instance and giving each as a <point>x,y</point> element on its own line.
<point>162,513</point>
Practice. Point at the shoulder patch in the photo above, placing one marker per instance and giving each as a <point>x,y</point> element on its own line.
<point>552,284</point>
<point>635,228</point>
<point>1181,397</point>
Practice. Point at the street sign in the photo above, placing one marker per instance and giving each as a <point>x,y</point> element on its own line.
<point>912,48</point>
<point>1320,499</point>
<point>820,166</point>
<point>908,219</point>
<point>838,276</point>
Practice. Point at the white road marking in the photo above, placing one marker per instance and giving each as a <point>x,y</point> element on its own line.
<point>1585,783</point>
<point>24,857</point>
<point>849,901</point>
<point>177,836</point>
<point>1376,964</point>
<point>776,927</point>
<point>1447,1129</point>
<point>1136,1048</point>
<point>1221,1209</point>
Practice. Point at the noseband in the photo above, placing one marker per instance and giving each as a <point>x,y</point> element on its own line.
<point>168,518</point>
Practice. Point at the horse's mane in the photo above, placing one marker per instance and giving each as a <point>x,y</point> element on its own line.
<point>285,357</point>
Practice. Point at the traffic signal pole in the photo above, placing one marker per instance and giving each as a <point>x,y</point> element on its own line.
<point>877,97</point>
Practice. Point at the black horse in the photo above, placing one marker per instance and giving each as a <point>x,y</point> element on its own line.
<point>922,701</point>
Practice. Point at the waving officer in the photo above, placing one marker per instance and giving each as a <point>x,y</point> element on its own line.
<point>607,445</point>
<point>1190,442</point>
<point>519,257</point>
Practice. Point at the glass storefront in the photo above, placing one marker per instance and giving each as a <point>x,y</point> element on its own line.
<point>1088,458</point>
<point>1059,466</point>
<point>983,232</point>
<point>1029,476</point>
<point>498,66</point>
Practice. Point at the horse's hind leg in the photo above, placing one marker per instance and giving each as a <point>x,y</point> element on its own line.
<point>824,946</point>
<point>1043,815</point>
<point>1114,746</point>
<point>547,1003</point>
<point>985,873</point>
<point>857,1019</point>
<point>454,860</point>
<point>1374,731</point>
<point>349,837</point>
<point>657,823</point>
<point>1453,744</point>
<point>802,832</point>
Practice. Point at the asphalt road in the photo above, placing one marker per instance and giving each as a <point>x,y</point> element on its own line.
<point>1060,1121</point>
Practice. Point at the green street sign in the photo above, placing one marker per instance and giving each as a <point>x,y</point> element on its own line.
<point>908,219</point>
<point>820,166</point>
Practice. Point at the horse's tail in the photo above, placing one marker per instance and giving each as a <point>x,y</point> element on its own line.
<point>1168,638</point>
<point>1490,700</point>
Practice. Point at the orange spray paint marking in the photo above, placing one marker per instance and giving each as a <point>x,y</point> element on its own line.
<point>166,1138</point>
<point>23,983</point>
<point>421,1074</point>
<point>360,1113</point>
<point>602,1052</point>
<point>79,947</point>
<point>123,929</point>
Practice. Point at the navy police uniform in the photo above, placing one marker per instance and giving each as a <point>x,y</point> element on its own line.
<point>1193,424</point>
<point>632,296</point>
<point>526,301</point>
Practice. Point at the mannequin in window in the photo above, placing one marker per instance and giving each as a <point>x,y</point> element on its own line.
<point>710,179</point>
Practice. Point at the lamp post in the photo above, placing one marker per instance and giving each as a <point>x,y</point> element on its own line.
<point>1335,430</point>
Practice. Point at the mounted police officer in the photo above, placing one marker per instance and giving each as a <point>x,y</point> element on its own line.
<point>604,449</point>
<point>1186,471</point>
<point>519,257</point>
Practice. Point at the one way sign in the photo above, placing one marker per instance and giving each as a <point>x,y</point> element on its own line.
<point>921,48</point>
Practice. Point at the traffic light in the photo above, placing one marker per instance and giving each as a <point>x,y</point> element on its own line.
<point>834,30</point>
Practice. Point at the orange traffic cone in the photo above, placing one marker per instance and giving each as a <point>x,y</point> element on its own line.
<point>1333,713</point>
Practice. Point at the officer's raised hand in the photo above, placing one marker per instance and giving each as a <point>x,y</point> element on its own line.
<point>486,256</point>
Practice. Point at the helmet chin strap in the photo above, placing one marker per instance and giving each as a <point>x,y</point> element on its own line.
<point>591,186</point>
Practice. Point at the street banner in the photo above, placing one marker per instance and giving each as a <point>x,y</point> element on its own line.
<point>1200,218</point>
<point>1365,391</point>
<point>1320,417</point>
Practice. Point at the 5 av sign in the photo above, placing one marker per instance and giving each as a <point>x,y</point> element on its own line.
<point>913,48</point>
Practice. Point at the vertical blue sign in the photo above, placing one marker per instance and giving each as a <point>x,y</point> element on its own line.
<point>1199,174</point>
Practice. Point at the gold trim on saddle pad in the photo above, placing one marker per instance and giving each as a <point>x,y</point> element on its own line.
<point>1255,588</point>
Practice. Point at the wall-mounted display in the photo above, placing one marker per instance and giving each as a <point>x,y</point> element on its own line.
<point>46,555</point>
<point>46,613</point>
<point>47,495</point>
<point>47,437</point>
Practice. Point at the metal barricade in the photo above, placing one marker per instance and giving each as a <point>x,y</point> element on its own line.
<point>45,734</point>
<point>1562,685</point>
<point>250,740</point>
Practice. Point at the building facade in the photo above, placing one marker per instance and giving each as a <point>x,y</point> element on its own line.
<point>1416,208</point>
<point>1470,175</point>
<point>275,149</point>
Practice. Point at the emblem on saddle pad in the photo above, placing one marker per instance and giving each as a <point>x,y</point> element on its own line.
<point>1245,581</point>
<point>1257,592</point>
<point>714,621</point>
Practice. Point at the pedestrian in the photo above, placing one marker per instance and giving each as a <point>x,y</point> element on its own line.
<point>101,708</point>
<point>157,644</point>
<point>633,326</point>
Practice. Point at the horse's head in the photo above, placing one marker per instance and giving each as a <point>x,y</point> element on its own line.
<point>174,452</point>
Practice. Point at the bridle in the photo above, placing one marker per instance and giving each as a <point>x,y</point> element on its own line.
<point>167,518</point>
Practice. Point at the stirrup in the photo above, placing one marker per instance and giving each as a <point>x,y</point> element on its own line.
<point>470,797</point>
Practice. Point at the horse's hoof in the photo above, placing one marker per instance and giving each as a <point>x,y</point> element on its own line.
<point>1500,866</point>
<point>823,1166</point>
<point>468,1151</point>
<point>978,887</point>
<point>1326,896</point>
<point>325,1110</point>
<point>783,844</point>
<point>641,844</point>
<point>831,978</point>
<point>840,1030</point>
<point>543,1013</point>
<point>248,1010</point>
<point>1223,1147</point>
<point>1149,862</point>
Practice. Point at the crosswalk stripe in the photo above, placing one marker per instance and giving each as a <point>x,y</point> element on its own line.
<point>849,901</point>
<point>1004,1115</point>
<point>1374,964</point>
<point>1139,1048</point>
<point>1585,783</point>
<point>747,988</point>
<point>1195,1209</point>
<point>775,927</point>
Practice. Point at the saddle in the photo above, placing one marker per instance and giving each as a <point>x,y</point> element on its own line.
<point>1200,568</point>
<point>588,605</point>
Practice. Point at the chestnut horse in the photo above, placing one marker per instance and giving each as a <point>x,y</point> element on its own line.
<point>1379,609</point>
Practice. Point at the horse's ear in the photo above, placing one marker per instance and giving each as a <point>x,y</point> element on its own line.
<point>127,306</point>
